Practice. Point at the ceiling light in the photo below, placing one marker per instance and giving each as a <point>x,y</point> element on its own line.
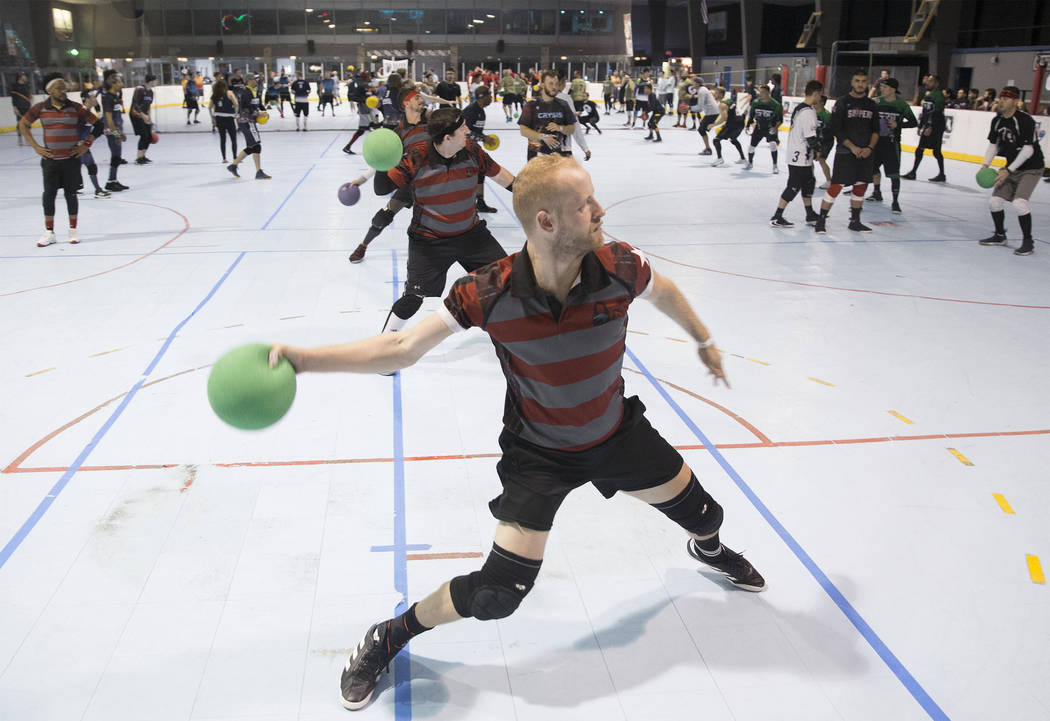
<point>367,22</point>
<point>332,26</point>
<point>489,15</point>
<point>479,22</point>
<point>309,10</point>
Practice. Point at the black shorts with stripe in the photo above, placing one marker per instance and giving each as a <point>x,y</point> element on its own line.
<point>887,155</point>
<point>430,258</point>
<point>536,479</point>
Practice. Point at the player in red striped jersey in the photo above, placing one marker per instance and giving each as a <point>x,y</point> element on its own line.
<point>61,119</point>
<point>556,313</point>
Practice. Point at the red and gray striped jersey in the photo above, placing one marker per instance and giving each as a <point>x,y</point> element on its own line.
<point>562,363</point>
<point>413,133</point>
<point>60,125</point>
<point>444,190</point>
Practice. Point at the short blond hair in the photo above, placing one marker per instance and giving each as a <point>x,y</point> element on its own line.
<point>538,187</point>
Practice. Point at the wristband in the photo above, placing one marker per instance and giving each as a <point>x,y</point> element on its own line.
<point>707,343</point>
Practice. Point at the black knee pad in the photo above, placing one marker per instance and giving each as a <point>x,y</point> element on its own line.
<point>789,194</point>
<point>382,219</point>
<point>693,509</point>
<point>497,589</point>
<point>406,306</point>
<point>808,187</point>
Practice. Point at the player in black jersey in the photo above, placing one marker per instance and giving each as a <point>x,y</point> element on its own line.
<point>894,115</point>
<point>656,109</point>
<point>855,123</point>
<point>223,109</point>
<point>141,103</point>
<point>732,125</point>
<point>474,119</point>
<point>932,124</point>
<point>546,121</point>
<point>765,118</point>
<point>1013,135</point>
<point>300,90</point>
<point>248,109</point>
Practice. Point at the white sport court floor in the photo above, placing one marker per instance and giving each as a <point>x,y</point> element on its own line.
<point>881,456</point>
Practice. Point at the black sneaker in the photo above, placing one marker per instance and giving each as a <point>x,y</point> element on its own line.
<point>736,568</point>
<point>875,197</point>
<point>858,227</point>
<point>994,239</point>
<point>348,151</point>
<point>819,225</point>
<point>909,176</point>
<point>359,253</point>
<point>812,217</point>
<point>938,179</point>
<point>484,207</point>
<point>705,151</point>
<point>142,161</point>
<point>261,175</point>
<point>896,208</point>
<point>114,186</point>
<point>1027,248</point>
<point>233,169</point>
<point>361,673</point>
<point>779,222</point>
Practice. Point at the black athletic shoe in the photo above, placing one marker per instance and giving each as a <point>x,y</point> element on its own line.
<point>994,239</point>
<point>260,175</point>
<point>875,197</point>
<point>780,222</point>
<point>114,186</point>
<point>142,161</point>
<point>858,227</point>
<point>233,169</point>
<point>812,217</point>
<point>1027,248</point>
<point>359,253</point>
<point>909,176</point>
<point>819,225</point>
<point>123,161</point>
<point>348,151</point>
<point>705,151</point>
<point>896,208</point>
<point>361,673</point>
<point>938,179</point>
<point>484,207</point>
<point>736,568</point>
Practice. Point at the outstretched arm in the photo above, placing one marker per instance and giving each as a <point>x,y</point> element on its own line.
<point>378,354</point>
<point>666,296</point>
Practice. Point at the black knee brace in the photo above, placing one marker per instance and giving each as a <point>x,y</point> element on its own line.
<point>406,306</point>
<point>789,194</point>
<point>382,219</point>
<point>808,187</point>
<point>693,509</point>
<point>497,589</point>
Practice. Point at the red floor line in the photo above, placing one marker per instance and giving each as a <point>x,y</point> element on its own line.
<point>186,226</point>
<point>439,556</point>
<point>817,285</point>
<point>467,456</point>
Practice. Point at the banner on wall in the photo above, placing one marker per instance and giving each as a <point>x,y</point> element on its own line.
<point>392,66</point>
<point>627,34</point>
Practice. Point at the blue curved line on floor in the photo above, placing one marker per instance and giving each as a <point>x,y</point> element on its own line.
<point>903,675</point>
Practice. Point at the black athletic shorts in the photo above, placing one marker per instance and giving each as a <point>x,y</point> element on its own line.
<point>430,258</point>
<point>382,184</point>
<point>849,169</point>
<point>509,98</point>
<point>536,479</point>
<point>301,108</point>
<point>191,103</point>
<point>730,131</point>
<point>760,134</point>
<point>707,122</point>
<point>824,150</point>
<point>252,140</point>
<point>801,178</point>
<point>887,156</point>
<point>932,141</point>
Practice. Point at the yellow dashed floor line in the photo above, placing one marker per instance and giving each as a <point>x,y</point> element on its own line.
<point>817,380</point>
<point>36,373</point>
<point>1002,503</point>
<point>756,360</point>
<point>899,417</point>
<point>105,352</point>
<point>962,459</point>
<point>292,317</point>
<point>1035,569</point>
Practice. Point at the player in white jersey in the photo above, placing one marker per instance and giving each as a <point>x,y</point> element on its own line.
<point>577,133</point>
<point>802,146</point>
<point>705,103</point>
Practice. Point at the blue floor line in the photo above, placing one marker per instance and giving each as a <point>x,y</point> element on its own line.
<point>403,661</point>
<point>903,675</point>
<point>49,499</point>
<point>287,197</point>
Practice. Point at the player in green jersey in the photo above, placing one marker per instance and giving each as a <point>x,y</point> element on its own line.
<point>894,115</point>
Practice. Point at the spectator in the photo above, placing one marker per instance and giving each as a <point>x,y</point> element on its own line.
<point>988,102</point>
<point>876,89</point>
<point>960,101</point>
<point>974,98</point>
